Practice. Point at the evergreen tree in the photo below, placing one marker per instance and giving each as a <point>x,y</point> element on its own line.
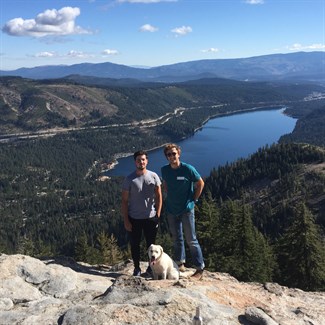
<point>252,251</point>
<point>82,248</point>
<point>267,257</point>
<point>26,246</point>
<point>207,220</point>
<point>110,253</point>
<point>43,250</point>
<point>224,259</point>
<point>242,250</point>
<point>246,250</point>
<point>300,251</point>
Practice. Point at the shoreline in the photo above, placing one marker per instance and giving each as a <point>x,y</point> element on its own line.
<point>253,109</point>
<point>248,110</point>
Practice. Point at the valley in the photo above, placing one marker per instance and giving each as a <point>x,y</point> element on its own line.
<point>57,136</point>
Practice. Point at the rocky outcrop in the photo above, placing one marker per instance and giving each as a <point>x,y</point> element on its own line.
<point>65,292</point>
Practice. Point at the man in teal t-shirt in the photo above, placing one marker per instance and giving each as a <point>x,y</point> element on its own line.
<point>183,186</point>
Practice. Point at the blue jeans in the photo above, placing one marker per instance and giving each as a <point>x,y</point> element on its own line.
<point>186,222</point>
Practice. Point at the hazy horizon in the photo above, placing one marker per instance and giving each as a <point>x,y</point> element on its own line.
<point>149,67</point>
<point>137,33</point>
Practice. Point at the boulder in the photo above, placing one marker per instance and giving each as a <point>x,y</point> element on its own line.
<point>62,291</point>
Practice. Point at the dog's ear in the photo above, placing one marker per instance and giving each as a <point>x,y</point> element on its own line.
<point>162,250</point>
<point>149,248</point>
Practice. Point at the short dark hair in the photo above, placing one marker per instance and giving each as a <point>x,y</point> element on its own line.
<point>140,153</point>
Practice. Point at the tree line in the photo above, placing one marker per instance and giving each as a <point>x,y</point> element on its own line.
<point>257,219</point>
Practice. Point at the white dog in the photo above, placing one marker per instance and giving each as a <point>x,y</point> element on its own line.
<point>161,264</point>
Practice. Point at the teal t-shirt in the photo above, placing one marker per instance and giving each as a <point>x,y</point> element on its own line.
<point>180,187</point>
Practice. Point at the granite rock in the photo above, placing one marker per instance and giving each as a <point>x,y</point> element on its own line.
<point>62,291</point>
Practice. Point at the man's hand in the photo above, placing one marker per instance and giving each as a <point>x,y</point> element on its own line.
<point>127,225</point>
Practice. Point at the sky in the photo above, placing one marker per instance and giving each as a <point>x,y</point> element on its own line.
<point>150,33</point>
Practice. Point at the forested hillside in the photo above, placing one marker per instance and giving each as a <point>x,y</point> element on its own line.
<point>33,106</point>
<point>245,219</point>
<point>259,219</point>
<point>264,218</point>
<point>310,128</point>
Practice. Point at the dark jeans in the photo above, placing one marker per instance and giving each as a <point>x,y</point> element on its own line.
<point>149,227</point>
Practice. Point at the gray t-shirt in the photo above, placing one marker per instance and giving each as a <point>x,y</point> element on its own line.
<point>141,190</point>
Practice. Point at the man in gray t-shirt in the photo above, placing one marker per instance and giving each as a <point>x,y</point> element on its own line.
<point>141,206</point>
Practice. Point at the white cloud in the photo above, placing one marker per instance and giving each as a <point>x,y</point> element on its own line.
<point>45,54</point>
<point>148,28</point>
<point>145,1</point>
<point>210,50</point>
<point>181,31</point>
<point>78,54</point>
<point>110,52</point>
<point>254,2</point>
<point>70,54</point>
<point>300,47</point>
<point>48,23</point>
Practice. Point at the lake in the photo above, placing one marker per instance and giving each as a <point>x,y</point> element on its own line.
<point>221,140</point>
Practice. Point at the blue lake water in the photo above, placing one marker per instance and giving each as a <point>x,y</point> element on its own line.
<point>221,140</point>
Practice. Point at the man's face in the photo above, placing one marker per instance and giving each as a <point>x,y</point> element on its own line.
<point>172,155</point>
<point>141,162</point>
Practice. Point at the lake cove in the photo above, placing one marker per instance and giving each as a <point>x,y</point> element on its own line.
<point>220,140</point>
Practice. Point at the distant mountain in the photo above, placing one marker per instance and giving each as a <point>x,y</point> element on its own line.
<point>299,66</point>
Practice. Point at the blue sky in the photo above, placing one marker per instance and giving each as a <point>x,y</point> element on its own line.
<point>155,32</point>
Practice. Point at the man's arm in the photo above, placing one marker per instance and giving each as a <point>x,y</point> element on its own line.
<point>164,188</point>
<point>198,189</point>
<point>158,200</point>
<point>125,210</point>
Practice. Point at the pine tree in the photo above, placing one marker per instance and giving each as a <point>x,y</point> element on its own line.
<point>109,250</point>
<point>224,260</point>
<point>300,251</point>
<point>26,246</point>
<point>246,250</point>
<point>115,254</point>
<point>241,249</point>
<point>207,220</point>
<point>252,252</point>
<point>266,259</point>
<point>42,249</point>
<point>82,248</point>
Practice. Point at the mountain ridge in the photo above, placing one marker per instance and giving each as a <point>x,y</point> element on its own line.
<point>31,105</point>
<point>293,66</point>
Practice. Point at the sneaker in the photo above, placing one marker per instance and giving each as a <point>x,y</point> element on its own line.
<point>181,268</point>
<point>137,272</point>
<point>198,274</point>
